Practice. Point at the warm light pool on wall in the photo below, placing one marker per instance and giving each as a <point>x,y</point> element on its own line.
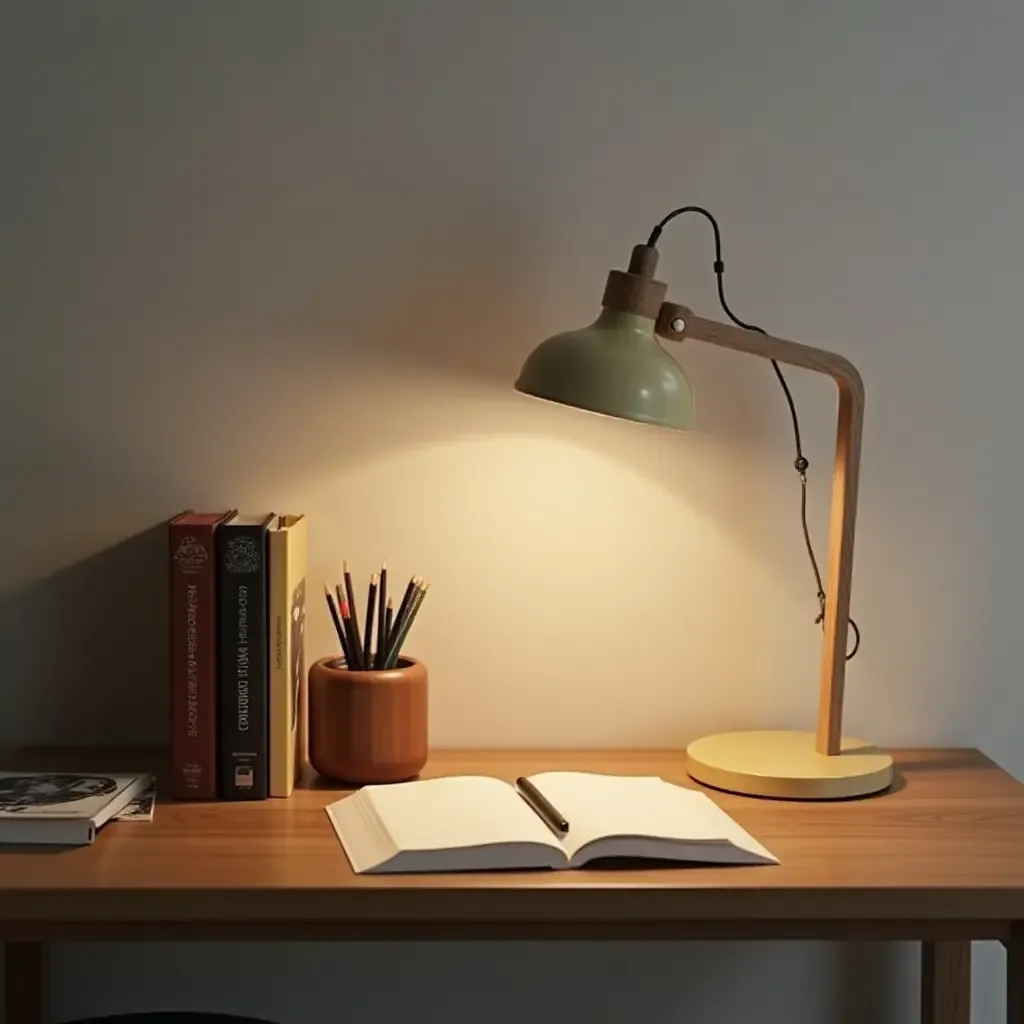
<point>616,366</point>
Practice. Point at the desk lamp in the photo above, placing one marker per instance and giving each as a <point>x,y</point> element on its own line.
<point>616,366</point>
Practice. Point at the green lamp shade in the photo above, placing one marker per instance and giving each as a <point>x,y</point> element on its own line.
<point>616,367</point>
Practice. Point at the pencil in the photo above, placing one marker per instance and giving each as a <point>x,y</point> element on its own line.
<point>337,625</point>
<point>351,593</point>
<point>350,631</point>
<point>403,608</point>
<point>396,645</point>
<point>382,603</point>
<point>389,619</point>
<point>371,604</point>
<point>351,637</point>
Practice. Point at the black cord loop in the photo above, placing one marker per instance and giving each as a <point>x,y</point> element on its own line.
<point>800,464</point>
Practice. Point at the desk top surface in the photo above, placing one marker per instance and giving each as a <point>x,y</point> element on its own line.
<point>946,842</point>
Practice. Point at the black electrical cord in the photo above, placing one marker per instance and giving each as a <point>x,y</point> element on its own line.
<point>800,463</point>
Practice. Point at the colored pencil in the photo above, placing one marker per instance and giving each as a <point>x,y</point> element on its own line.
<point>337,625</point>
<point>396,645</point>
<point>382,604</point>
<point>351,594</point>
<point>353,649</point>
<point>350,631</point>
<point>389,620</point>
<point>371,604</point>
<point>403,608</point>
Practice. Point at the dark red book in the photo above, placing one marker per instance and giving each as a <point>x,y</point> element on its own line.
<point>193,653</point>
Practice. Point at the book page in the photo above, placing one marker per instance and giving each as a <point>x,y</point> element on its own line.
<point>141,807</point>
<point>597,806</point>
<point>454,813</point>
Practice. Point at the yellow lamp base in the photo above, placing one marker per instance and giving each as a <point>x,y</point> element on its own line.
<point>786,765</point>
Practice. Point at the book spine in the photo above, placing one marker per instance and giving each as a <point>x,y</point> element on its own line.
<point>287,555</point>
<point>242,682</point>
<point>282,776</point>
<point>193,637</point>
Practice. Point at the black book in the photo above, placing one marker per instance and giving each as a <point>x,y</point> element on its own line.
<point>243,657</point>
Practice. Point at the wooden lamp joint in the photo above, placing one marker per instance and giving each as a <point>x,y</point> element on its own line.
<point>673,320</point>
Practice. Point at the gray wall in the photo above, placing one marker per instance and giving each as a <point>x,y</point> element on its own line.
<point>334,230</point>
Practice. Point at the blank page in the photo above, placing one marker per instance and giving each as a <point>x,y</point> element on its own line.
<point>608,805</point>
<point>470,810</point>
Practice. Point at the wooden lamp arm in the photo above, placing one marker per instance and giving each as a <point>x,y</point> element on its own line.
<point>675,322</point>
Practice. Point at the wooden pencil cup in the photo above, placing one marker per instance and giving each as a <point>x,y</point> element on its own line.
<point>367,727</point>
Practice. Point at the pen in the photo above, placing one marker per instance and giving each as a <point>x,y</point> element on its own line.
<point>536,799</point>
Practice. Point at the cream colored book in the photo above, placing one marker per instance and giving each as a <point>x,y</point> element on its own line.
<point>287,607</point>
<point>477,823</point>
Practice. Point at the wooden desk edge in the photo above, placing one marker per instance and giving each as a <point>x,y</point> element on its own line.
<point>833,930</point>
<point>439,913</point>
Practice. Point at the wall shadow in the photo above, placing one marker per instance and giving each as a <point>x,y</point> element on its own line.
<point>92,636</point>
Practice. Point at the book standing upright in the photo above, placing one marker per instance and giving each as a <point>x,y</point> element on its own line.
<point>287,548</point>
<point>243,681</point>
<point>193,655</point>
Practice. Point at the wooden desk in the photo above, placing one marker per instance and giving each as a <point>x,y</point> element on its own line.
<point>939,859</point>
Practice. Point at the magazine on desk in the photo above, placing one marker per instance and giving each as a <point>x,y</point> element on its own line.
<point>478,823</point>
<point>65,808</point>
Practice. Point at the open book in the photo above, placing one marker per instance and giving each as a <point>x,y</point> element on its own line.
<point>477,823</point>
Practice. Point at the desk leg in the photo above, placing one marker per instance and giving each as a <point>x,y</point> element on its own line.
<point>946,983</point>
<point>1015,976</point>
<point>26,983</point>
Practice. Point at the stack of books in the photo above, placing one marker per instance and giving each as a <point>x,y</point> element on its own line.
<point>237,651</point>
